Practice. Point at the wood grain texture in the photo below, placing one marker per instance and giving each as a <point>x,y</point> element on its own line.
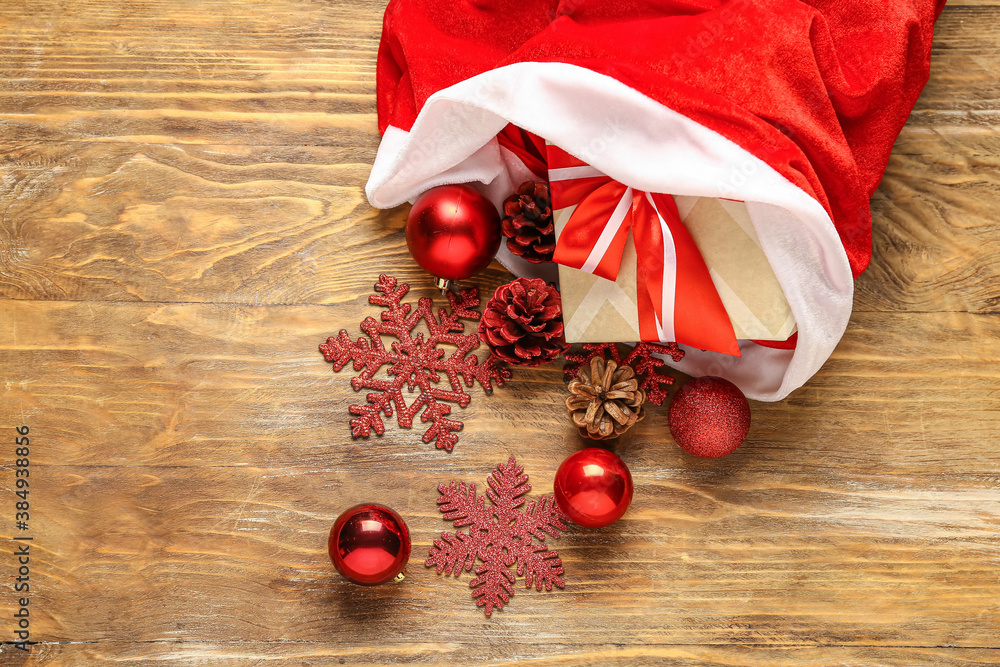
<point>235,385</point>
<point>204,222</point>
<point>203,553</point>
<point>300,72</point>
<point>182,222</point>
<point>562,655</point>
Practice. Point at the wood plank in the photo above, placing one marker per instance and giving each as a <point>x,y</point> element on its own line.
<point>743,557</point>
<point>494,654</point>
<point>963,67</point>
<point>934,241</point>
<point>275,225</point>
<point>200,384</point>
<point>224,224</point>
<point>195,72</point>
<point>183,71</point>
<point>158,223</point>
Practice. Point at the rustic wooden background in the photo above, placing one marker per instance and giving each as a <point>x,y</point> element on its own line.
<point>182,222</point>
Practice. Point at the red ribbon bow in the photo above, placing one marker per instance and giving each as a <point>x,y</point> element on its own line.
<point>677,298</point>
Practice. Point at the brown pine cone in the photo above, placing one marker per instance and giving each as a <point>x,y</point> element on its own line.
<point>527,223</point>
<point>522,323</point>
<point>605,401</point>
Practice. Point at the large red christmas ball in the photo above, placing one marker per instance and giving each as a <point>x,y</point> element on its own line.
<point>369,544</point>
<point>593,487</point>
<point>453,232</point>
<point>709,417</point>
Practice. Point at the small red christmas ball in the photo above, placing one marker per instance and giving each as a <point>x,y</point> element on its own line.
<point>369,544</point>
<point>453,232</point>
<point>709,417</point>
<point>593,487</point>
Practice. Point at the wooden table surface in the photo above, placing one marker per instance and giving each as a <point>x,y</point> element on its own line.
<point>182,222</point>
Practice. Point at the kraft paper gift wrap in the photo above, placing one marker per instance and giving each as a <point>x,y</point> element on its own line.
<point>596,310</point>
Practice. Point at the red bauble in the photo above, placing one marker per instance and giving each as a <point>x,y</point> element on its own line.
<point>593,487</point>
<point>709,417</point>
<point>453,232</point>
<point>369,544</point>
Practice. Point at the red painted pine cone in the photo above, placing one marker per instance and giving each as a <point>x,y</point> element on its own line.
<point>527,223</point>
<point>522,323</point>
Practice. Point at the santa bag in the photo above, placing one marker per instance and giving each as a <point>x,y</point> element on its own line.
<point>791,107</point>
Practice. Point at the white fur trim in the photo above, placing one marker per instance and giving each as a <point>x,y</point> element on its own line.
<point>647,146</point>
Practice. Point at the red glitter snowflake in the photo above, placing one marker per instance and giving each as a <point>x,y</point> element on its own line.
<point>499,536</point>
<point>414,362</point>
<point>646,364</point>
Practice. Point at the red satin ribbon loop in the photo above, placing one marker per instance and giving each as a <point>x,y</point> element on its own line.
<point>677,300</point>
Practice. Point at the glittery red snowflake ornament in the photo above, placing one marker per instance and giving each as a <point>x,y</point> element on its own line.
<point>414,362</point>
<point>499,536</point>
<point>641,360</point>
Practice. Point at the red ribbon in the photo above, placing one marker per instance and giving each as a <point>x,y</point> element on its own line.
<point>677,299</point>
<point>528,147</point>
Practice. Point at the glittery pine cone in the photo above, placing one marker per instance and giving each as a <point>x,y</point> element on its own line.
<point>527,223</point>
<point>605,400</point>
<point>522,323</point>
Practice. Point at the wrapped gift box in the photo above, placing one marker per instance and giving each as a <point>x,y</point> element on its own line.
<point>596,310</point>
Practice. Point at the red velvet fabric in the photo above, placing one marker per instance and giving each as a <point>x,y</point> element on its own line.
<point>819,90</point>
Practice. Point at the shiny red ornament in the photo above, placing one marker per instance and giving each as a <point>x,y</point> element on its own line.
<point>370,544</point>
<point>453,232</point>
<point>593,487</point>
<point>709,417</point>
